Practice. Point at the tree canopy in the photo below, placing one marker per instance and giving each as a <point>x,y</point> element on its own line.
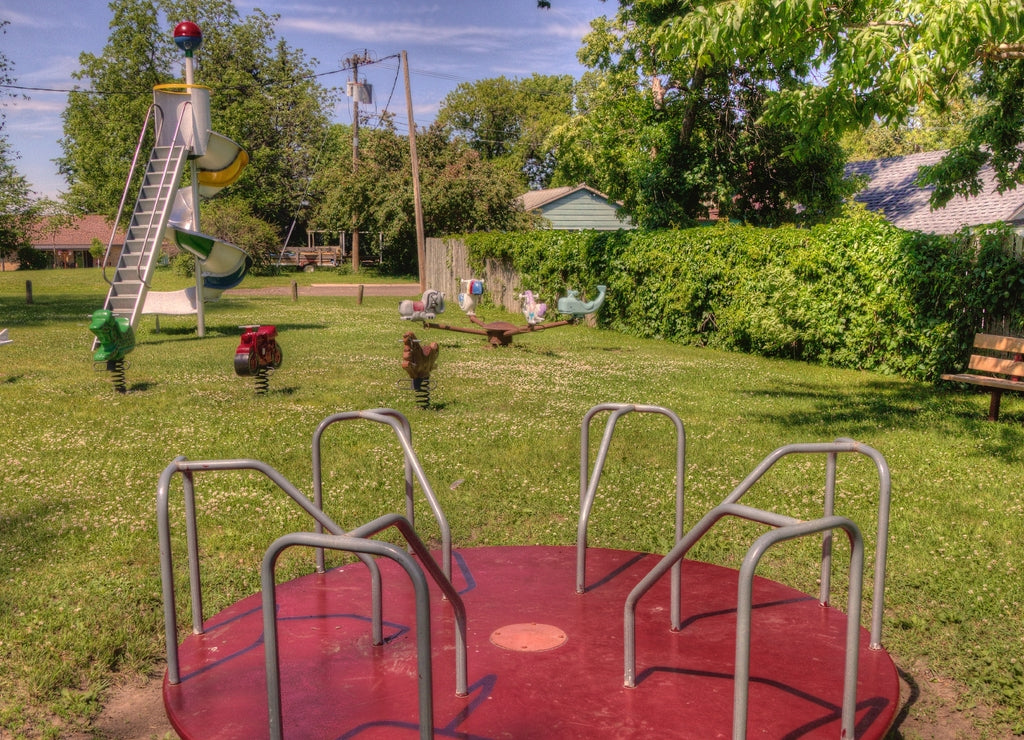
<point>823,69</point>
<point>265,96</point>
<point>510,120</point>
<point>462,191</point>
<point>849,64</point>
<point>672,139</point>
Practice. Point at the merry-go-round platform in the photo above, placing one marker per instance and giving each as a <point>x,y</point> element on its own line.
<point>530,641</point>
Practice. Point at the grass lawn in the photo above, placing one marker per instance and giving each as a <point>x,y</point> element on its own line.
<point>80,590</point>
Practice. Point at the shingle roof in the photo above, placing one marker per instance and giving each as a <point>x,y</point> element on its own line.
<point>892,191</point>
<point>537,198</point>
<point>79,233</point>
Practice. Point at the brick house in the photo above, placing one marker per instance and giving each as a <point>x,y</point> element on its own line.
<point>68,245</point>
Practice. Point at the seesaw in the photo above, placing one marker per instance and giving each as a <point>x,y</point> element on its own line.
<point>499,333</point>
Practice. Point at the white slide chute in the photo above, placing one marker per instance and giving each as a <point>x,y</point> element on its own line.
<point>223,264</point>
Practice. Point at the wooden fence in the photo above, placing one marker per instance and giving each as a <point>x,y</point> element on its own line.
<point>447,262</point>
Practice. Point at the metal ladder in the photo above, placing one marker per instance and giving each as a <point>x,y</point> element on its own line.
<point>131,279</point>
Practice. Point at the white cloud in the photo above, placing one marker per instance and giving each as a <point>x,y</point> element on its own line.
<point>24,19</point>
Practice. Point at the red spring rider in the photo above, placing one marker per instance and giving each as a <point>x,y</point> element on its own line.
<point>258,352</point>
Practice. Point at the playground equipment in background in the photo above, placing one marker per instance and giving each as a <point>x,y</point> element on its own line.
<point>572,305</point>
<point>115,338</point>
<point>532,309</point>
<point>469,295</point>
<point>418,359</point>
<point>431,304</point>
<point>258,354</point>
<point>719,650</point>
<point>180,115</point>
<point>500,333</point>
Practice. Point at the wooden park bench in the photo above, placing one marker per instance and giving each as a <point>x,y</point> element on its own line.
<point>997,364</point>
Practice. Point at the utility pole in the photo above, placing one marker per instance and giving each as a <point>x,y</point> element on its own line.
<point>421,251</point>
<point>357,91</point>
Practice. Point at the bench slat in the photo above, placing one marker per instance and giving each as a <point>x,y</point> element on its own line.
<point>988,382</point>
<point>984,364</point>
<point>999,343</point>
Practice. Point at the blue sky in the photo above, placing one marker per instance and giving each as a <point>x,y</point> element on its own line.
<point>448,42</point>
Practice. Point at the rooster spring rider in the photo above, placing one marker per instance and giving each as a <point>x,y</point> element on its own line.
<point>500,333</point>
<point>258,354</point>
<point>418,359</point>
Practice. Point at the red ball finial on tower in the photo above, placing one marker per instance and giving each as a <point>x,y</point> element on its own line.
<point>188,37</point>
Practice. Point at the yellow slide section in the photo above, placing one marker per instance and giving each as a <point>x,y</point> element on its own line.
<point>221,166</point>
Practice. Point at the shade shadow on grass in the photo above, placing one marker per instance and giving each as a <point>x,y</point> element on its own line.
<point>188,333</point>
<point>894,405</point>
<point>46,310</point>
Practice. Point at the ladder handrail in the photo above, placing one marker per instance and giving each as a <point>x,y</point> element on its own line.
<point>124,194</point>
<point>163,189</point>
<point>161,186</point>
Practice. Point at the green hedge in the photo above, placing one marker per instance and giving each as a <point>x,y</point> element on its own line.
<point>856,292</point>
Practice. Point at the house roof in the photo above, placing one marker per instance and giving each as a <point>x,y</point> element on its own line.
<point>535,199</point>
<point>892,191</point>
<point>78,233</point>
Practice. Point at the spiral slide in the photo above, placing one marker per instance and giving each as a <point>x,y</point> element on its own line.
<point>223,264</point>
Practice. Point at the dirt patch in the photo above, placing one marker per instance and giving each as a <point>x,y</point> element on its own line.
<point>135,711</point>
<point>929,710</point>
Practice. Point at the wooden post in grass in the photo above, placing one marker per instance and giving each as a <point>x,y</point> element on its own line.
<point>295,291</point>
<point>359,297</point>
<point>28,292</point>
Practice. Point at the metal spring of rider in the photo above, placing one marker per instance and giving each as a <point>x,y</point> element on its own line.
<point>421,386</point>
<point>117,375</point>
<point>262,378</point>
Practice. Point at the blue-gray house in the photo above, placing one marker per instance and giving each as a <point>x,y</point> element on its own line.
<point>575,208</point>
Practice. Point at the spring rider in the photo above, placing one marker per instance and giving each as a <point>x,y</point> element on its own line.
<point>258,354</point>
<point>418,359</point>
<point>115,338</point>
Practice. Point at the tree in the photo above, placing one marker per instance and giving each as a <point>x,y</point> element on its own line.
<point>462,191</point>
<point>231,219</point>
<point>264,96</point>
<point>672,139</point>
<point>101,124</point>
<point>17,207</point>
<point>853,63</point>
<point>377,197</point>
<point>925,130</point>
<point>510,120</point>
